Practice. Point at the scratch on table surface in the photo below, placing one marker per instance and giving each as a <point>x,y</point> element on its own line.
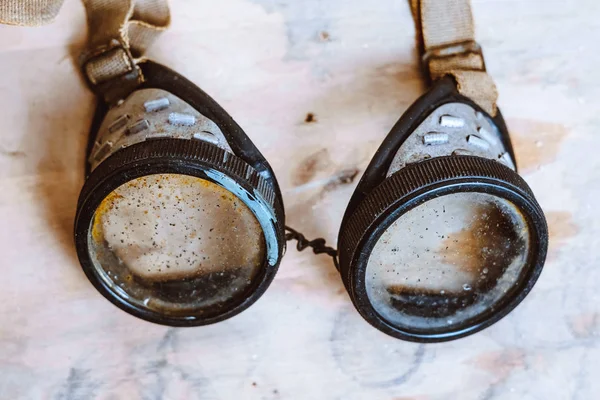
<point>344,177</point>
<point>388,361</point>
<point>78,386</point>
<point>158,371</point>
<point>320,163</point>
<point>168,340</point>
<point>12,153</point>
<point>310,166</point>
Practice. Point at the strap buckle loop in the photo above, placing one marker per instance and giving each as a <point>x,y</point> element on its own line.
<point>111,70</point>
<point>466,56</point>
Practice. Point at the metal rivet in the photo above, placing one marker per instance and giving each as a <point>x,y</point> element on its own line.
<point>139,126</point>
<point>417,157</point>
<point>451,121</point>
<point>103,151</point>
<point>119,123</point>
<point>477,141</point>
<point>462,152</point>
<point>162,135</point>
<point>487,135</point>
<point>94,150</point>
<point>506,158</point>
<point>182,119</point>
<point>206,136</point>
<point>434,138</point>
<point>157,104</point>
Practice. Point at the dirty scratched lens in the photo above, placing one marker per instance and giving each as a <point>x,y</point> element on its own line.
<point>442,237</point>
<point>447,260</point>
<point>180,221</point>
<point>175,243</point>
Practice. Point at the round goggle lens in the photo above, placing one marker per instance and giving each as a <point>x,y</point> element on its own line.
<point>447,261</point>
<point>176,244</point>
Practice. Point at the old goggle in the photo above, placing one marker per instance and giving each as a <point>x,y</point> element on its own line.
<point>442,237</point>
<point>181,219</point>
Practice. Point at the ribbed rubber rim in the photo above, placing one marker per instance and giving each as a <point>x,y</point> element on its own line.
<point>413,185</point>
<point>188,157</point>
<point>184,151</point>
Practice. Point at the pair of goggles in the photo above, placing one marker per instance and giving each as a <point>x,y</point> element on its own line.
<point>181,220</point>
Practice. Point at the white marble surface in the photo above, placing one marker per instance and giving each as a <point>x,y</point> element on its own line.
<point>270,62</point>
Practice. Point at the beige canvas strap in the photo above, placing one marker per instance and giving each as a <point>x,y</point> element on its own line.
<point>446,36</point>
<point>120,31</point>
<point>28,12</point>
